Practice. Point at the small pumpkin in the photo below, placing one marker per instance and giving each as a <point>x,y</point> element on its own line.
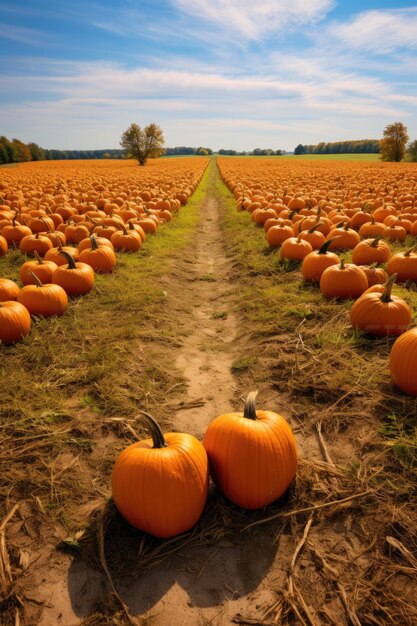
<point>317,261</point>
<point>381,314</point>
<point>295,249</point>
<point>160,485</point>
<point>252,455</point>
<point>8,290</point>
<point>76,278</point>
<point>404,264</point>
<point>371,251</point>
<point>42,268</point>
<point>3,246</point>
<point>14,322</point>
<point>101,258</point>
<point>276,235</point>
<point>126,240</point>
<point>343,281</point>
<point>45,300</point>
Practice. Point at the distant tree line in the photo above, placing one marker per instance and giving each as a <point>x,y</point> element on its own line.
<point>15,151</point>
<point>340,147</point>
<point>255,152</point>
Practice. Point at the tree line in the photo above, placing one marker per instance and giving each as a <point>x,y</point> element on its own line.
<point>340,147</point>
<point>15,151</point>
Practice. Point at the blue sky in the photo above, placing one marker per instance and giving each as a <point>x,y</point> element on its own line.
<point>219,73</point>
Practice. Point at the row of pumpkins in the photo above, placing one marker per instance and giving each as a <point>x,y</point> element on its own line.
<point>311,234</point>
<point>60,270</point>
<point>251,457</point>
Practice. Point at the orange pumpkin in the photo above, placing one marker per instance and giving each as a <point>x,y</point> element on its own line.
<point>160,485</point>
<point>252,455</point>
<point>343,281</point>
<point>381,314</point>
<point>403,362</point>
<point>14,322</point>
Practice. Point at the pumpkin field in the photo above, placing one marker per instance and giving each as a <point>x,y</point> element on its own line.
<point>208,392</point>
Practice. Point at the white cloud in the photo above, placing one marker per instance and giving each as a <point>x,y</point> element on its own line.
<point>254,20</point>
<point>379,31</point>
<point>22,34</point>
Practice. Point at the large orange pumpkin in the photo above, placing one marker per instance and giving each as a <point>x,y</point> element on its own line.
<point>403,362</point>
<point>252,455</point>
<point>160,484</point>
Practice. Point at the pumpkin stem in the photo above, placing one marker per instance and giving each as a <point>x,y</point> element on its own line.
<point>37,280</point>
<point>342,264</point>
<point>376,241</point>
<point>158,439</point>
<point>250,408</point>
<point>386,296</point>
<point>313,228</point>
<point>326,245</point>
<point>94,245</point>
<point>410,250</point>
<point>70,259</point>
<point>38,258</point>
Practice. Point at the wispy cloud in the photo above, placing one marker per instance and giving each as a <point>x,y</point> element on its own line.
<point>23,34</point>
<point>379,31</point>
<point>256,20</point>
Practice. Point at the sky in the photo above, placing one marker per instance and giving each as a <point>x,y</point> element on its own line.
<point>239,74</point>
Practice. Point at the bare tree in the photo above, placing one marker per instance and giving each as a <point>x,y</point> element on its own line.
<point>143,143</point>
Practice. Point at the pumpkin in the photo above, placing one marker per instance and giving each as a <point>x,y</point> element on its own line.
<point>160,485</point>
<point>381,314</point>
<point>295,249</point>
<point>314,236</point>
<point>8,290</point>
<point>14,232</point>
<point>371,229</point>
<point>42,268</point>
<point>101,258</point>
<point>252,455</point>
<point>54,254</point>
<point>46,300</point>
<point>371,251</point>
<point>316,262</point>
<point>345,238</point>
<point>403,362</point>
<point>375,275</point>
<point>14,321</point>
<point>276,235</point>
<point>30,243</point>
<point>343,281</point>
<point>404,264</point>
<point>3,246</point>
<point>76,278</point>
<point>126,241</point>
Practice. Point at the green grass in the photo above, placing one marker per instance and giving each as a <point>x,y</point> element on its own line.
<point>103,359</point>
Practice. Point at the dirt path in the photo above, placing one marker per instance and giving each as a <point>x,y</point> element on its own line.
<point>207,354</point>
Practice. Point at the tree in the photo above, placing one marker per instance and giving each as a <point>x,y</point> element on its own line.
<point>393,142</point>
<point>38,154</point>
<point>143,143</point>
<point>412,151</point>
<point>300,149</point>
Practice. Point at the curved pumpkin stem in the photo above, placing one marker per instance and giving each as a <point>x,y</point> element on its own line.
<point>70,259</point>
<point>386,296</point>
<point>250,408</point>
<point>38,258</point>
<point>410,250</point>
<point>327,244</point>
<point>37,280</point>
<point>158,439</point>
<point>314,228</point>
<point>376,241</point>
